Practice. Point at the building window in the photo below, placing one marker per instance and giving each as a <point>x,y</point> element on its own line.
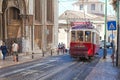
<point>50,11</point>
<point>92,6</point>
<point>14,13</point>
<point>81,7</point>
<point>38,10</point>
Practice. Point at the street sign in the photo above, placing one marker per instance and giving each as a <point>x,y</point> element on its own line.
<point>111,25</point>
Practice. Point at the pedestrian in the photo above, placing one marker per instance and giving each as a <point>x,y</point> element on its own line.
<point>15,49</point>
<point>4,50</point>
<point>1,55</point>
<point>59,48</point>
<point>112,44</point>
<point>113,51</point>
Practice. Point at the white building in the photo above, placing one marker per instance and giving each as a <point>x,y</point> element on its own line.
<point>89,6</point>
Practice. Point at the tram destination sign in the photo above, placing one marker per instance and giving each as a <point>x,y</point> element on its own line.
<point>80,23</point>
<point>111,25</point>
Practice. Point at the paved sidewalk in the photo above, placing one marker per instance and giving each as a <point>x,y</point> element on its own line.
<point>104,70</point>
<point>23,57</point>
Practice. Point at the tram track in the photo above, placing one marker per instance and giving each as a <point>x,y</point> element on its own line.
<point>57,68</point>
<point>73,72</point>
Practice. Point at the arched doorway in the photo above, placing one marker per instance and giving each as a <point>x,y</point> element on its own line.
<point>12,26</point>
<point>12,23</point>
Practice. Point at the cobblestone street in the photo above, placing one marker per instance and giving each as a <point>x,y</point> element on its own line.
<point>58,67</point>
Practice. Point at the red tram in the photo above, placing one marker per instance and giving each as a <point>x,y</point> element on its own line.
<point>84,40</point>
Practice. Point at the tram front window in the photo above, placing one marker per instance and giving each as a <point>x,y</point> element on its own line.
<point>87,36</point>
<point>73,36</point>
<point>79,35</point>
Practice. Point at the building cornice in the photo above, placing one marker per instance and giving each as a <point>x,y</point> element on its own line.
<point>86,2</point>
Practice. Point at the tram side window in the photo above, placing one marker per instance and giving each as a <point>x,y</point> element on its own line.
<point>93,35</point>
<point>87,36</point>
<point>97,38</point>
<point>79,35</point>
<point>73,36</point>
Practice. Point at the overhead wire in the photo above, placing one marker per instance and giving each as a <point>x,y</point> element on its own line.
<point>63,5</point>
<point>62,2</point>
<point>66,0</point>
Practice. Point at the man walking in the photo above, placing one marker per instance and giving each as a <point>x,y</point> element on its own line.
<point>15,48</point>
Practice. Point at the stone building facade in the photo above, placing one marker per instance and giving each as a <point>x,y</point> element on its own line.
<point>32,23</point>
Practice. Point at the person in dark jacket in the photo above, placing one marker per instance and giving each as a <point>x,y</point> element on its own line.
<point>4,50</point>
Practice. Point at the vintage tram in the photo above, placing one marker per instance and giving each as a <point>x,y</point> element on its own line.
<point>84,40</point>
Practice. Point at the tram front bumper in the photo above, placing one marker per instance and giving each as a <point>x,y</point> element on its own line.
<point>79,53</point>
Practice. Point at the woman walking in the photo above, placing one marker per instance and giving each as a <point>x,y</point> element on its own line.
<point>4,50</point>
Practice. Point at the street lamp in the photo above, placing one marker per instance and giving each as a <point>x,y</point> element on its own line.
<point>105,51</point>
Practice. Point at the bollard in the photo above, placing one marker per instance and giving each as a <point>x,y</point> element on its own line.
<point>63,51</point>
<point>58,51</point>
<point>42,53</point>
<point>17,58</point>
<point>32,55</point>
<point>51,52</point>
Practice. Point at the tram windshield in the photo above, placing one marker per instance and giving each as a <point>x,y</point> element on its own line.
<point>87,36</point>
<point>73,37</point>
<point>77,36</point>
<point>81,36</point>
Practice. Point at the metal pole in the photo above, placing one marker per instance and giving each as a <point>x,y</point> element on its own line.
<point>117,4</point>
<point>105,51</point>
<point>84,10</point>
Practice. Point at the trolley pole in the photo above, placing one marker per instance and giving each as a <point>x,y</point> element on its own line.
<point>105,51</point>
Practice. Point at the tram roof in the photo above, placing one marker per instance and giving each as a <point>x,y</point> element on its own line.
<point>83,26</point>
